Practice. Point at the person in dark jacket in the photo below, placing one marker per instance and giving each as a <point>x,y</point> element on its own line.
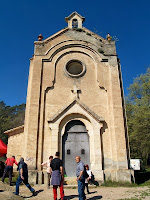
<point>23,177</point>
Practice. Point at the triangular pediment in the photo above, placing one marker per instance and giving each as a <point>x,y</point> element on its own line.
<point>82,106</point>
<point>74,14</point>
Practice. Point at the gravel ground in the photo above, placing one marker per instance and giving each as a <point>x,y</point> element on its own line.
<point>104,193</point>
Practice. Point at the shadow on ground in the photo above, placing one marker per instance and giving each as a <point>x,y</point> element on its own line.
<point>70,197</point>
<point>75,196</point>
<point>95,197</point>
<point>93,192</point>
<point>36,193</point>
<point>91,198</point>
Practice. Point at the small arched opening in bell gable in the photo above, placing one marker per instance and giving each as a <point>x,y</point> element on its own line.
<point>74,23</point>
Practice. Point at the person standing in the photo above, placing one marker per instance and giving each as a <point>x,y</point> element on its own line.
<point>80,178</point>
<point>47,164</point>
<point>87,179</point>
<point>9,168</point>
<point>57,175</point>
<point>23,177</point>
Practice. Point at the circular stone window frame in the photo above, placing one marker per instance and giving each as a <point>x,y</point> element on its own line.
<point>75,75</point>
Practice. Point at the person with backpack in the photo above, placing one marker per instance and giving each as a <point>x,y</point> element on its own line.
<point>88,178</point>
<point>80,173</point>
<point>9,168</point>
<point>23,177</point>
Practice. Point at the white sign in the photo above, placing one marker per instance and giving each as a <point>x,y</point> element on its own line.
<point>135,164</point>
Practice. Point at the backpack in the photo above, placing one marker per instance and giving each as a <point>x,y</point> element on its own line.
<point>85,174</point>
<point>92,177</point>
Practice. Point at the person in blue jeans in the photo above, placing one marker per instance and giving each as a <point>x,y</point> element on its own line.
<point>80,178</point>
<point>23,177</point>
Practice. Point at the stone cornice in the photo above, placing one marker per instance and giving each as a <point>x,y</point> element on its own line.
<point>15,131</point>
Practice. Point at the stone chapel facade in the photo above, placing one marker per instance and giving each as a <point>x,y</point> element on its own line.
<point>74,105</point>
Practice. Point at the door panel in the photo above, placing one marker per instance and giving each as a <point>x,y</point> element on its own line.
<point>75,144</point>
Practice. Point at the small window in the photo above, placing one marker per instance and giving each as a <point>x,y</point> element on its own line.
<point>74,23</point>
<point>68,151</point>
<point>82,151</point>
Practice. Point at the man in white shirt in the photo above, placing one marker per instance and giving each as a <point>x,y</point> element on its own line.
<point>47,165</point>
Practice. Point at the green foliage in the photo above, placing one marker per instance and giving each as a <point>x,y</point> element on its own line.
<point>14,179</point>
<point>139,195</point>
<point>3,159</point>
<point>138,117</point>
<point>141,179</point>
<point>110,183</point>
<point>146,183</point>
<point>10,117</point>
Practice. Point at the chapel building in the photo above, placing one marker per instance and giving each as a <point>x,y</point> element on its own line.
<point>75,105</point>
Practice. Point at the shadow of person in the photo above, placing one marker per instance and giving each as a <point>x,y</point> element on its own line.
<point>38,191</point>
<point>35,194</point>
<point>70,197</point>
<point>95,198</point>
<point>25,197</point>
<point>93,192</point>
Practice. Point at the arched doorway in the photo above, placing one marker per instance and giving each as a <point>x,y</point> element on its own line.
<point>75,142</point>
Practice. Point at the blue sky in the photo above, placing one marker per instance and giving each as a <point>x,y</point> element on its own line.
<point>21,21</point>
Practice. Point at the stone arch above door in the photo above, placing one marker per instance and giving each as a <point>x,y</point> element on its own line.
<point>77,110</point>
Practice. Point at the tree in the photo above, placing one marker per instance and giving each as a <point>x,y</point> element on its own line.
<point>138,117</point>
<point>10,117</point>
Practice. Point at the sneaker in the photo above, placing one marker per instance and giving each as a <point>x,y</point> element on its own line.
<point>34,193</point>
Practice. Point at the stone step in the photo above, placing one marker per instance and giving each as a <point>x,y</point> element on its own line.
<point>70,181</point>
<point>76,186</point>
